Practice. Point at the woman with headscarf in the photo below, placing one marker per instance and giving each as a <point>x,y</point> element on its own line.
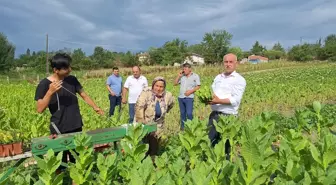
<point>151,107</point>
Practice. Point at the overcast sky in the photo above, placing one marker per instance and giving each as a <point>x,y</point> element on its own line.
<point>137,25</point>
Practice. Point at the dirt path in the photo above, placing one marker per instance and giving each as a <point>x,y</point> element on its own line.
<point>268,70</point>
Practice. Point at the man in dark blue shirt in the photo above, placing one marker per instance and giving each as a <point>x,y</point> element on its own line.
<point>114,85</point>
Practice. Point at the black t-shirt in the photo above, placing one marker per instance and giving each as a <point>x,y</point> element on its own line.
<point>68,118</point>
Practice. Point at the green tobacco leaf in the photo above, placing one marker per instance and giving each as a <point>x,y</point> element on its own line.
<point>126,146</point>
<point>317,106</point>
<point>315,154</point>
<point>328,157</point>
<point>45,177</point>
<point>141,149</point>
<point>76,175</point>
<point>259,178</point>
<point>55,162</point>
<point>59,179</point>
<point>146,171</point>
<point>40,163</point>
<point>219,150</point>
<point>301,145</point>
<point>185,142</point>
<point>331,176</point>
<point>250,152</point>
<point>166,180</point>
<point>289,168</point>
<point>101,162</point>
<point>4,182</point>
<point>307,179</point>
<point>162,160</point>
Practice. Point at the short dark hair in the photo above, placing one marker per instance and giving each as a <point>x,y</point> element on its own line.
<point>60,61</point>
<point>187,65</point>
<point>115,68</point>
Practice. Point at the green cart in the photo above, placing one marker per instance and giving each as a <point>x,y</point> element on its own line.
<point>40,146</point>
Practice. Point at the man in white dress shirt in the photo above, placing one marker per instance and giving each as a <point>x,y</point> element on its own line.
<point>228,89</point>
<point>134,84</point>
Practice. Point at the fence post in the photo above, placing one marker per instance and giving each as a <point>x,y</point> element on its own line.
<point>8,79</point>
<point>38,78</point>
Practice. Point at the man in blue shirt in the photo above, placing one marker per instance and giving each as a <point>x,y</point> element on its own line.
<point>113,85</point>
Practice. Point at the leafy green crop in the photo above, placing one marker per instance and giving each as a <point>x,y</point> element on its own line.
<point>294,158</point>
<point>297,148</point>
<point>204,94</point>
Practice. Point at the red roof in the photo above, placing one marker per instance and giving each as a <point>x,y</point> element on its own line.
<point>254,57</point>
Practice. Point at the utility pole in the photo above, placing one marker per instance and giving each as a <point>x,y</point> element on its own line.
<point>47,64</point>
<point>300,40</point>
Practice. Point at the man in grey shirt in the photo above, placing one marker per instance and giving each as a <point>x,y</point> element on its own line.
<point>189,84</point>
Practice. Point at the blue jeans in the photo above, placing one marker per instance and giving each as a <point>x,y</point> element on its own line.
<point>114,101</point>
<point>186,109</point>
<point>131,112</point>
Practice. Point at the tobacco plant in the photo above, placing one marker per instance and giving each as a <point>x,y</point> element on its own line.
<point>47,168</point>
<point>81,171</point>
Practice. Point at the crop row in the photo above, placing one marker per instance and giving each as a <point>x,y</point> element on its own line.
<point>281,90</point>
<point>269,148</point>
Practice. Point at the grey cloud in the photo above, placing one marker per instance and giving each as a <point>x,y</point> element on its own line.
<point>137,25</point>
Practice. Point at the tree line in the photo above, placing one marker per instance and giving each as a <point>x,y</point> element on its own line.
<point>214,45</point>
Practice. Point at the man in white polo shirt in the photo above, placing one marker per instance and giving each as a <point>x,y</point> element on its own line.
<point>228,89</point>
<point>134,84</point>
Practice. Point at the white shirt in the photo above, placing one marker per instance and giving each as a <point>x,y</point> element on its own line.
<point>135,86</point>
<point>231,87</point>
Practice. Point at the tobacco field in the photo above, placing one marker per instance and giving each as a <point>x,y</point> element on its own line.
<point>284,135</point>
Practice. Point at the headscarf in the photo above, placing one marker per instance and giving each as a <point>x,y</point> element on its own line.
<point>156,79</point>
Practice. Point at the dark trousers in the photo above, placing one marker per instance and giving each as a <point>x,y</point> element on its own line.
<point>186,109</point>
<point>214,136</point>
<point>114,101</point>
<point>131,112</point>
<point>153,143</point>
<point>67,153</point>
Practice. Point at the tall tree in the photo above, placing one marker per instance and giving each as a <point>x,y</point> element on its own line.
<point>301,52</point>
<point>7,51</point>
<point>257,48</point>
<point>216,45</point>
<point>98,56</point>
<point>196,48</point>
<point>278,47</point>
<point>174,51</point>
<point>155,55</point>
<point>328,52</point>
<point>129,59</point>
<point>330,40</point>
<point>78,57</point>
<point>28,52</point>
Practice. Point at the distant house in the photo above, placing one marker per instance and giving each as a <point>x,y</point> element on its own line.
<point>243,61</point>
<point>194,59</point>
<point>255,59</point>
<point>143,57</point>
